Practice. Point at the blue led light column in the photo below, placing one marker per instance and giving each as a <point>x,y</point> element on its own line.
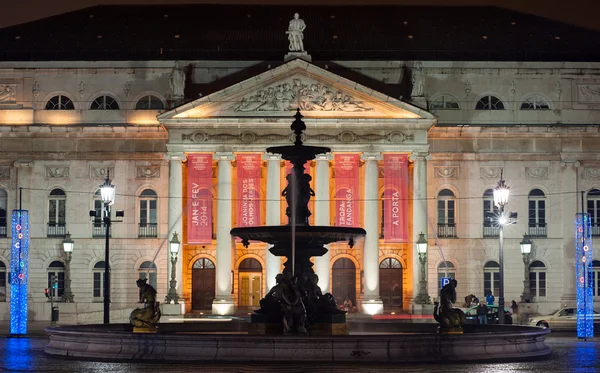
<point>583,271</point>
<point>19,272</point>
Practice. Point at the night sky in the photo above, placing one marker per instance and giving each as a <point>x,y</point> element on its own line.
<point>578,12</point>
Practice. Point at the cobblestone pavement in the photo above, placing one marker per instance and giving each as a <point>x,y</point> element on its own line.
<point>568,356</point>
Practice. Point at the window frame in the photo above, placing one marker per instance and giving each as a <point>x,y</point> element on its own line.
<point>441,272</point>
<point>492,268</point>
<point>538,279</point>
<point>536,209</point>
<point>490,102</point>
<point>58,271</point>
<point>60,103</point>
<point>3,212</point>
<point>150,99</point>
<point>534,101</point>
<point>148,270</point>
<point>446,100</point>
<point>98,275</point>
<point>107,102</point>
<point>3,281</point>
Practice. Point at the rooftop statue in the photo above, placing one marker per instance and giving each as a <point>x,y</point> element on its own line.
<point>294,32</point>
<point>177,82</point>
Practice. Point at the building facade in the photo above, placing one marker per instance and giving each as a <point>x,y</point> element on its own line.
<point>417,145</point>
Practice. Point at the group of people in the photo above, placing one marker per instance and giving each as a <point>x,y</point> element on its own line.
<point>483,309</point>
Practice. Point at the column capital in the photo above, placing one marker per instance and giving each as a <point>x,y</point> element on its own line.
<point>419,155</point>
<point>224,156</point>
<point>18,163</point>
<point>373,156</point>
<point>175,156</point>
<point>271,157</point>
<point>324,157</point>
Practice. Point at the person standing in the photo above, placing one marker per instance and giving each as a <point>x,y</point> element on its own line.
<point>482,311</point>
<point>515,310</point>
<point>490,299</point>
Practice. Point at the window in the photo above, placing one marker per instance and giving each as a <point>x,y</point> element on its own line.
<point>491,278</point>
<point>593,210</point>
<point>535,102</point>
<point>60,102</point>
<point>595,278</point>
<point>56,213</point>
<point>98,273</point>
<point>104,103</point>
<point>490,211</point>
<point>2,282</point>
<point>147,271</point>
<point>56,269</point>
<point>149,103</point>
<point>3,209</point>
<point>444,102</point>
<point>148,222</point>
<point>537,213</point>
<point>537,279</point>
<point>445,270</point>
<point>489,103</point>
<point>446,213</point>
<point>98,227</point>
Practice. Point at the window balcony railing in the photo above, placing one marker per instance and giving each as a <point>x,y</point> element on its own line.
<point>3,230</point>
<point>596,230</point>
<point>99,231</point>
<point>446,230</point>
<point>148,230</point>
<point>57,229</point>
<point>537,230</point>
<point>491,230</point>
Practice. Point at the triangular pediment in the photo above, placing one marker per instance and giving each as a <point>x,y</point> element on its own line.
<point>297,84</point>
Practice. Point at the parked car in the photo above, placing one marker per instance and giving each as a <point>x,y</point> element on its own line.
<point>492,315</point>
<point>563,319</point>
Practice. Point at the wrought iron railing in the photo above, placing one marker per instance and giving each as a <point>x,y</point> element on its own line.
<point>446,230</point>
<point>148,230</point>
<point>596,230</point>
<point>491,230</point>
<point>3,230</point>
<point>537,230</point>
<point>99,231</point>
<point>57,229</point>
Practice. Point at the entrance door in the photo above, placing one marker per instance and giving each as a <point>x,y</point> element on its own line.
<point>250,283</point>
<point>203,284</point>
<point>344,280</point>
<point>390,283</point>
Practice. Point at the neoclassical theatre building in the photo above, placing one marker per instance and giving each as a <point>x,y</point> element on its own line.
<point>425,109</point>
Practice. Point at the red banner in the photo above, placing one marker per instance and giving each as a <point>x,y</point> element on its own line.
<point>248,189</point>
<point>395,195</point>
<point>347,206</point>
<point>200,200</point>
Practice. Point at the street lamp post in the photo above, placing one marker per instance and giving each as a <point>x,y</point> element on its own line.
<point>526,251</point>
<point>422,297</point>
<point>174,245</point>
<point>68,245</point>
<point>107,191</point>
<point>501,193</point>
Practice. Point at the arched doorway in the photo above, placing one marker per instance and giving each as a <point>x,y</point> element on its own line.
<point>344,280</point>
<point>250,283</point>
<point>203,284</point>
<point>390,283</point>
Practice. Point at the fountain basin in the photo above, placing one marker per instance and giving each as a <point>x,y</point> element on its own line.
<point>222,341</point>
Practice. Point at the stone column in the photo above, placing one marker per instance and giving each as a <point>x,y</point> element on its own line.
<point>570,206</point>
<point>371,303</point>
<point>419,223</point>
<point>273,207</point>
<point>175,206</point>
<point>322,216</point>
<point>223,303</point>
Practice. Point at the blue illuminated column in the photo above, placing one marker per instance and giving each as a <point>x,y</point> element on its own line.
<point>19,272</point>
<point>583,270</point>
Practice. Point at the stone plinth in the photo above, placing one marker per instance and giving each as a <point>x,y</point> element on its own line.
<point>168,309</point>
<point>293,55</point>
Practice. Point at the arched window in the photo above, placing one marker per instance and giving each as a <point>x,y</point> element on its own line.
<point>98,223</point>
<point>149,103</point>
<point>537,213</point>
<point>104,103</point>
<point>56,269</point>
<point>148,214</point>
<point>147,271</point>
<point>490,211</point>
<point>98,274</point>
<point>537,279</point>
<point>444,102</point>
<point>57,201</point>
<point>446,204</point>
<point>593,210</point>
<point>2,281</point>
<point>60,102</point>
<point>3,210</point>
<point>491,278</point>
<point>535,102</point>
<point>596,277</point>
<point>205,263</point>
<point>489,103</point>
<point>445,270</point>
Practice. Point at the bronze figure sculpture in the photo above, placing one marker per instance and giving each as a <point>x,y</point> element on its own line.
<point>145,318</point>
<point>450,319</point>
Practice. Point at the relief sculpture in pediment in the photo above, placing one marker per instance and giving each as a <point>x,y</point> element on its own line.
<point>298,94</point>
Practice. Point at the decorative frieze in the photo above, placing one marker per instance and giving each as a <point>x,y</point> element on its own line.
<point>490,172</point>
<point>588,93</point>
<point>445,172</point>
<point>8,93</point>
<point>591,173</point>
<point>345,137</point>
<point>100,172</point>
<point>57,172</point>
<point>4,172</point>
<point>147,172</point>
<point>536,173</point>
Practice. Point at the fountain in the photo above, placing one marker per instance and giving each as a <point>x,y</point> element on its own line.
<point>313,328</point>
<point>297,288</point>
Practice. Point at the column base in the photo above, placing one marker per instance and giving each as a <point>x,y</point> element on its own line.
<point>421,309</point>
<point>372,307</point>
<point>172,309</point>
<point>223,307</point>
